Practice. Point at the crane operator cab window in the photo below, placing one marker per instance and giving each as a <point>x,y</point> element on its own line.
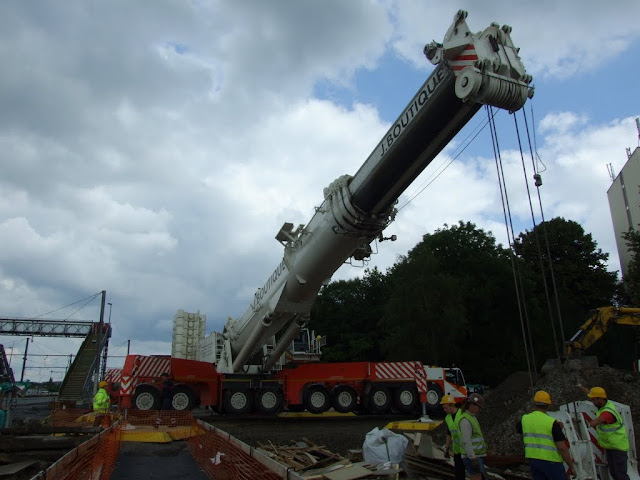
<point>454,376</point>
<point>301,343</point>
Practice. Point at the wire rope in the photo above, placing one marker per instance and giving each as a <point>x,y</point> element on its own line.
<point>517,277</point>
<point>546,235</point>
<point>88,299</point>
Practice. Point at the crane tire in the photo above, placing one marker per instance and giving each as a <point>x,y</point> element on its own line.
<point>405,398</point>
<point>269,401</point>
<point>146,398</point>
<point>379,400</point>
<point>317,399</point>
<point>344,398</point>
<point>183,399</point>
<point>237,402</point>
<point>434,395</point>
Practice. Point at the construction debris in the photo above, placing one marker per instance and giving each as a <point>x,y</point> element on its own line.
<point>315,462</point>
<point>302,456</point>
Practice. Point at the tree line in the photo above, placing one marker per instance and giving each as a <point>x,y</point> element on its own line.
<point>458,297</point>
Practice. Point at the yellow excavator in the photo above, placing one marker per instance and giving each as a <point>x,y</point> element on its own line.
<point>598,324</point>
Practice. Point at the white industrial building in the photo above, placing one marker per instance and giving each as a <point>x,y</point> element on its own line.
<point>624,202</point>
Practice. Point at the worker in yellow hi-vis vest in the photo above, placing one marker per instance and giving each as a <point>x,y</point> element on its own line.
<point>544,442</point>
<point>474,447</point>
<point>612,434</point>
<point>101,404</point>
<point>453,442</point>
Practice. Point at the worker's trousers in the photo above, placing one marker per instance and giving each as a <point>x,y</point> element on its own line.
<point>617,460</point>
<point>460,471</point>
<point>545,470</point>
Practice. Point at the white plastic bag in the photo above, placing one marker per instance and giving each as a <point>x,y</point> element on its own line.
<point>382,445</point>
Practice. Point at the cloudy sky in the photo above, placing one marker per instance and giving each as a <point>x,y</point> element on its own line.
<point>153,149</point>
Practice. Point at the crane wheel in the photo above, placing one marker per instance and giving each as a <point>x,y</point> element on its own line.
<point>344,398</point>
<point>378,400</point>
<point>405,399</point>
<point>434,395</point>
<point>317,399</point>
<point>183,399</point>
<point>237,401</point>
<point>146,398</point>
<point>269,401</point>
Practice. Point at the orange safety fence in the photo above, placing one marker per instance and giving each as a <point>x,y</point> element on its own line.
<point>222,456</point>
<point>94,459</point>
<point>216,452</point>
<point>70,417</point>
<point>158,418</point>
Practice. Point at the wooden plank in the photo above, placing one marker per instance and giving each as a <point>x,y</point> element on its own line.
<point>311,458</point>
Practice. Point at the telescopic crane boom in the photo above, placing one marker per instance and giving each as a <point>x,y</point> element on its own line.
<point>471,70</point>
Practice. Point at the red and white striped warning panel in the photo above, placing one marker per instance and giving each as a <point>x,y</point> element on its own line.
<point>151,366</point>
<point>145,369</point>
<point>398,371</point>
<point>113,375</point>
<point>466,59</point>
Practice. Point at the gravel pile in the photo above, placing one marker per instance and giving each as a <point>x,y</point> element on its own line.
<point>505,404</point>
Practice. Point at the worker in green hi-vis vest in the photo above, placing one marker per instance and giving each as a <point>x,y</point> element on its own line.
<point>612,434</point>
<point>474,447</point>
<point>101,405</point>
<point>453,442</point>
<point>544,442</point>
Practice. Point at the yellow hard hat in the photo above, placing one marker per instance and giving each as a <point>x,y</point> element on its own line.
<point>102,384</point>
<point>542,397</point>
<point>447,400</point>
<point>597,392</point>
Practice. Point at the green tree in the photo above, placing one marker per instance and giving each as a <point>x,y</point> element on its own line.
<point>348,312</point>
<point>569,271</point>
<point>453,300</point>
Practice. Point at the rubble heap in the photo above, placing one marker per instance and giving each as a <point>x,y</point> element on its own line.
<point>505,405</point>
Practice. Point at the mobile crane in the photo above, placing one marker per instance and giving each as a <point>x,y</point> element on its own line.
<point>245,365</point>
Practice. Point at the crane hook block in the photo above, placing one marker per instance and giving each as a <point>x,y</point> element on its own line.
<point>538,179</point>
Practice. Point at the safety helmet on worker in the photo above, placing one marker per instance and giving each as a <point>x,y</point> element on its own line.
<point>447,400</point>
<point>476,399</point>
<point>102,384</point>
<point>597,392</point>
<point>542,398</point>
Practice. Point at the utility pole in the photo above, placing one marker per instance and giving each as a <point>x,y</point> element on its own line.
<point>24,360</point>
<point>128,346</point>
<point>99,344</point>
<point>103,370</point>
